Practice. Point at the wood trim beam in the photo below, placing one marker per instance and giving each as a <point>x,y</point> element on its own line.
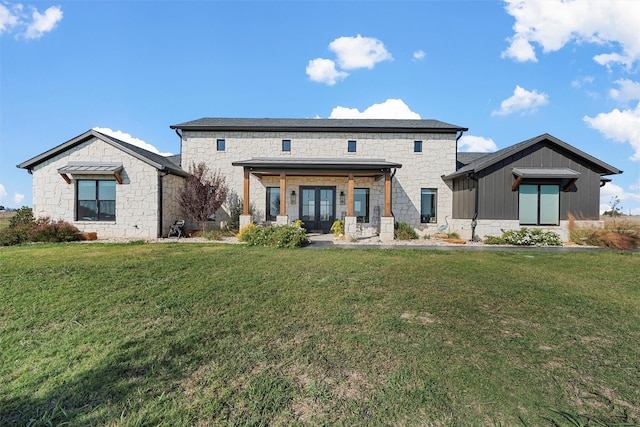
<point>350,191</point>
<point>567,187</point>
<point>245,202</point>
<point>387,194</point>
<point>66,178</point>
<point>516,184</point>
<point>118,177</point>
<point>283,194</point>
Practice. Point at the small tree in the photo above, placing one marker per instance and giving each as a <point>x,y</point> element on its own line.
<point>615,208</point>
<point>203,193</point>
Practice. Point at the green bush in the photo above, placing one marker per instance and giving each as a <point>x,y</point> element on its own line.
<point>337,227</point>
<point>23,216</point>
<point>526,237</point>
<point>15,235</point>
<point>404,231</point>
<point>279,236</point>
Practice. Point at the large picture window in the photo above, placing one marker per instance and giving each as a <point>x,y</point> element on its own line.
<point>539,204</point>
<point>361,204</point>
<point>273,203</point>
<point>96,200</point>
<point>428,204</point>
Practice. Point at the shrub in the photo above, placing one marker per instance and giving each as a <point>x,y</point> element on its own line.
<point>216,234</point>
<point>404,231</point>
<point>54,231</point>
<point>526,237</point>
<point>617,234</point>
<point>279,236</point>
<point>23,216</point>
<point>15,235</point>
<point>337,227</point>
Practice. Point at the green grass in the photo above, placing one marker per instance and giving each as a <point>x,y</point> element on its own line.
<point>213,334</point>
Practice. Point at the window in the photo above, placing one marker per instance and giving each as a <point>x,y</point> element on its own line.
<point>428,203</point>
<point>273,203</point>
<point>361,204</point>
<point>417,146</point>
<point>286,145</point>
<point>351,147</point>
<point>96,200</point>
<point>220,145</point>
<point>539,204</point>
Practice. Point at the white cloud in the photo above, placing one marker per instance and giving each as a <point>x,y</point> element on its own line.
<point>359,52</point>
<point>552,24</point>
<point>29,27</point>
<point>582,81</point>
<point>523,101</point>
<point>9,18</point>
<point>3,193</point>
<point>18,198</point>
<point>352,53</point>
<point>628,90</point>
<point>123,136</point>
<point>419,55</point>
<point>611,190</point>
<point>390,109</point>
<point>324,71</point>
<point>43,23</point>
<point>621,126</point>
<point>476,144</point>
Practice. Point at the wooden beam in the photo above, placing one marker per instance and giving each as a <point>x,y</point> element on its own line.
<point>118,177</point>
<point>387,194</point>
<point>569,185</point>
<point>245,202</point>
<point>283,194</point>
<point>66,178</point>
<point>350,192</point>
<point>516,184</point>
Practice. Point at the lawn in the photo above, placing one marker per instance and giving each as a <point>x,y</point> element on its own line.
<point>214,334</point>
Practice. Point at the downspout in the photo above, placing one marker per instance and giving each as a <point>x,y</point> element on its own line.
<point>180,135</point>
<point>474,221</point>
<point>457,138</point>
<point>160,202</point>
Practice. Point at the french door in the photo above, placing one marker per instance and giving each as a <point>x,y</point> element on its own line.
<point>318,208</point>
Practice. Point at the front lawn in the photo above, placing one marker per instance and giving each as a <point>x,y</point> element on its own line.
<point>213,334</point>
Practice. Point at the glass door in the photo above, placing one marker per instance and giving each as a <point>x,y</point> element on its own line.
<point>318,208</point>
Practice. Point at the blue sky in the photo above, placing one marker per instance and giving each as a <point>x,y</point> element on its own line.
<point>507,70</point>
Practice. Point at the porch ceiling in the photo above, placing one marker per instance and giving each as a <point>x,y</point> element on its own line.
<point>317,167</point>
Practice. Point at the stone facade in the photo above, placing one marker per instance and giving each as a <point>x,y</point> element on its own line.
<point>419,170</point>
<point>136,198</point>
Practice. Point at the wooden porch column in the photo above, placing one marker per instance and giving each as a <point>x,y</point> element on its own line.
<point>350,196</point>
<point>245,202</point>
<point>283,194</point>
<point>387,194</point>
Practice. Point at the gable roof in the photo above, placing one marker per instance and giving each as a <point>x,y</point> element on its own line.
<point>158,161</point>
<point>319,125</point>
<point>473,162</point>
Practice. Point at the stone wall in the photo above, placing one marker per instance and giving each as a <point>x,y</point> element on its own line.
<point>419,170</point>
<point>136,197</point>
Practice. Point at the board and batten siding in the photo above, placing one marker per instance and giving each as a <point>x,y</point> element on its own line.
<point>496,200</point>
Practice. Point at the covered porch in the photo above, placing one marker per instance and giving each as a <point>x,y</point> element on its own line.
<point>309,186</point>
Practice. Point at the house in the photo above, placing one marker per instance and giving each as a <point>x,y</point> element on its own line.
<point>101,184</point>
<point>369,172</point>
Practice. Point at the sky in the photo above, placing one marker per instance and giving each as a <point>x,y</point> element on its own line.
<point>508,70</point>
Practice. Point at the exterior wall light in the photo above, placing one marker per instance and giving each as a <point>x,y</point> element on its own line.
<point>342,201</point>
<point>293,197</point>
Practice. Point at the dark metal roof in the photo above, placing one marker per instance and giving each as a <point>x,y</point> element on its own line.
<point>91,168</point>
<point>302,166</point>
<point>319,125</point>
<point>158,161</point>
<point>489,159</point>
<point>545,172</point>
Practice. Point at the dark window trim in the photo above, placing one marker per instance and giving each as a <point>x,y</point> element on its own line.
<point>538,223</point>
<point>268,204</point>
<point>417,146</point>
<point>97,200</point>
<point>352,146</point>
<point>286,145</point>
<point>428,219</point>
<point>366,217</point>
<point>221,145</point>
